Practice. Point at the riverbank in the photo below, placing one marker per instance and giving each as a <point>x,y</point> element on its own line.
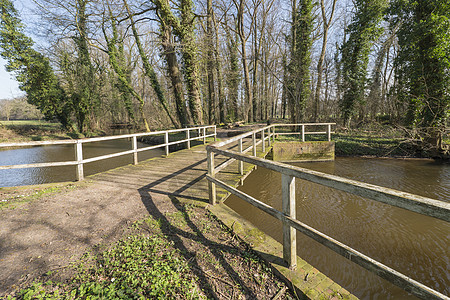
<point>36,130</point>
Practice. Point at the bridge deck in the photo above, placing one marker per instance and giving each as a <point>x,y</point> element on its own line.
<point>49,233</point>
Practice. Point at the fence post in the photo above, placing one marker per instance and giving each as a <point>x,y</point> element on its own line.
<point>303,132</point>
<point>268,132</point>
<point>204,135</point>
<point>240,162</point>
<point>215,133</point>
<point>79,159</point>
<point>188,143</point>
<point>254,143</point>
<point>273,134</point>
<point>263,139</point>
<point>289,233</point>
<point>211,186</point>
<point>329,132</point>
<point>135,154</point>
<point>166,141</point>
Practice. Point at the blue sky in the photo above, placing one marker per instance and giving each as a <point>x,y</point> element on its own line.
<point>9,88</point>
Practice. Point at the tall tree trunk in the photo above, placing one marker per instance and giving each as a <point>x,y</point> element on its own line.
<point>220,92</point>
<point>174,73</point>
<point>149,71</point>
<point>210,63</point>
<point>248,89</point>
<point>326,27</point>
<point>189,53</point>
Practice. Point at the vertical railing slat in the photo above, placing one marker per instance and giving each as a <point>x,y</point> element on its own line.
<point>188,143</point>
<point>135,154</point>
<point>211,186</point>
<point>166,141</point>
<point>79,159</point>
<point>303,132</point>
<point>240,163</point>
<point>263,140</point>
<point>289,233</point>
<point>254,144</point>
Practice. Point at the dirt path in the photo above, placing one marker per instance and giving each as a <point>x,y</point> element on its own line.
<point>49,233</point>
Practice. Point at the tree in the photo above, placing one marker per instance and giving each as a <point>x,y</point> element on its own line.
<point>363,32</point>
<point>32,69</point>
<point>423,63</point>
<point>299,78</point>
<point>326,23</point>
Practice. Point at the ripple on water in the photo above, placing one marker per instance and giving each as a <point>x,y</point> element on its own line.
<point>413,244</point>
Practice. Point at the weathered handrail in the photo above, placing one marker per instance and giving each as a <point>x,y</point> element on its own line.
<point>418,204</point>
<point>80,161</point>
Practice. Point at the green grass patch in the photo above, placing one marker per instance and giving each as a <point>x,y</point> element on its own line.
<point>137,267</point>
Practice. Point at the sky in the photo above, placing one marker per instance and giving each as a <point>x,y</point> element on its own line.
<point>9,88</point>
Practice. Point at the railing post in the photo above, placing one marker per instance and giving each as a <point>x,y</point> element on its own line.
<point>204,135</point>
<point>188,143</point>
<point>240,162</point>
<point>303,132</point>
<point>329,132</point>
<point>211,186</point>
<point>215,133</point>
<point>289,233</point>
<point>166,141</point>
<point>273,134</point>
<point>263,140</point>
<point>79,159</point>
<point>135,154</point>
<point>254,143</point>
<point>268,132</point>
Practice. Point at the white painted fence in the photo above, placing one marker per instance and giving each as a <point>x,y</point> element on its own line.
<point>202,134</point>
<point>415,203</point>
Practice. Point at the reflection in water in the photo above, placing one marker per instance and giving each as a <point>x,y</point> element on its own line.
<point>415,245</point>
<point>58,153</point>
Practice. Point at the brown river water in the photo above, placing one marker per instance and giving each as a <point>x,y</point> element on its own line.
<point>57,153</point>
<point>416,245</point>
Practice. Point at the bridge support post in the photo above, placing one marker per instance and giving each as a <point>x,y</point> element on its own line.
<point>289,233</point>
<point>303,132</point>
<point>240,162</point>
<point>188,143</point>
<point>211,186</point>
<point>273,134</point>
<point>166,141</point>
<point>79,159</point>
<point>269,136</point>
<point>135,154</point>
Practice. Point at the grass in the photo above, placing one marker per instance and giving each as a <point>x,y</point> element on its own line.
<point>182,254</point>
<point>11,198</point>
<point>380,142</point>
<point>137,267</point>
<point>37,130</point>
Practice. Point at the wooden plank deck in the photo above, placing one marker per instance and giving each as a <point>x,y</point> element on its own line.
<point>181,175</point>
<point>52,232</point>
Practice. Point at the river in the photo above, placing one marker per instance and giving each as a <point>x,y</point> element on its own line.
<point>415,245</point>
<point>54,153</point>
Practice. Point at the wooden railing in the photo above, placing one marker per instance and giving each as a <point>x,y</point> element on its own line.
<point>418,204</point>
<point>202,134</point>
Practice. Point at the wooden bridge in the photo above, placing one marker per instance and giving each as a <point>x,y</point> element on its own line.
<point>182,175</point>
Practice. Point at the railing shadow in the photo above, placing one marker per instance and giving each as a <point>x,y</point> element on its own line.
<point>191,233</point>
